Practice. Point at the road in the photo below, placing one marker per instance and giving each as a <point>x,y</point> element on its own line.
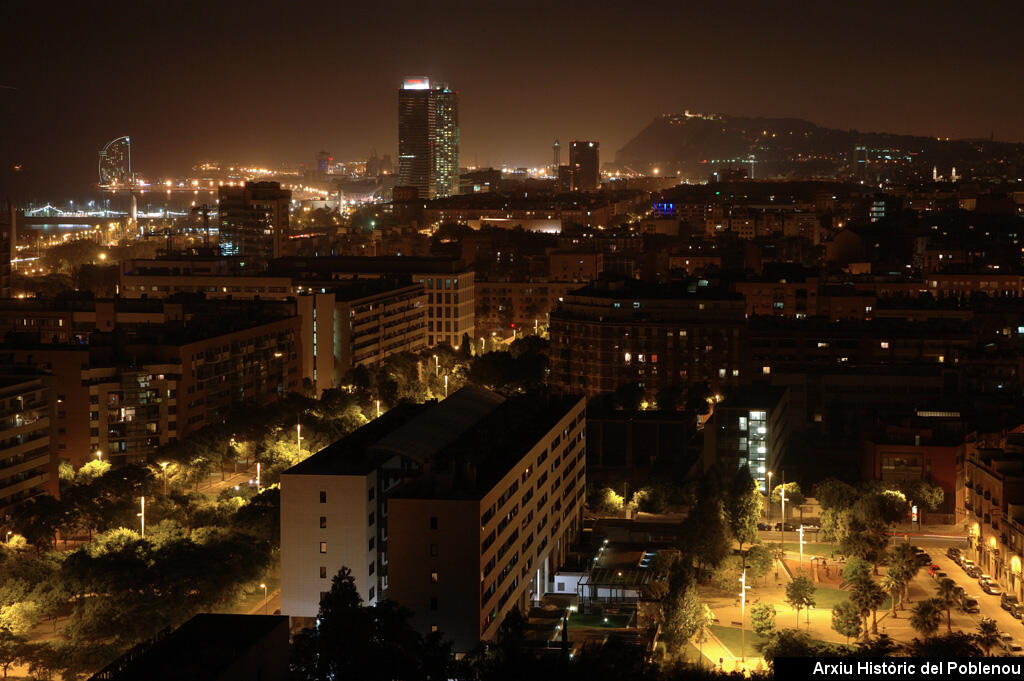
<point>936,547</point>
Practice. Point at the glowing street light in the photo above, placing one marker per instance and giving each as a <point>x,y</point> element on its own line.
<point>265,598</point>
<point>163,467</point>
<point>446,385</point>
<point>378,408</point>
<point>801,546</point>
<point>257,476</point>
<point>743,609</point>
<point>99,454</point>
<point>142,515</point>
<point>769,490</point>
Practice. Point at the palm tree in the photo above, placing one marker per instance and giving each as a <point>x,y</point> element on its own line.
<point>988,634</point>
<point>892,584</point>
<point>926,617</point>
<point>903,561</point>
<point>867,596</point>
<point>946,593</point>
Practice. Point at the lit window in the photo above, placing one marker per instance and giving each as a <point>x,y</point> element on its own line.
<point>766,369</point>
<point>433,577</point>
<point>323,547</point>
<point>884,345</point>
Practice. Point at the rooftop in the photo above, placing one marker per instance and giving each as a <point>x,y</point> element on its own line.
<point>199,650</point>
<point>414,431</point>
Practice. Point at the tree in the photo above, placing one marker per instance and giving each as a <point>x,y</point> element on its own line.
<point>926,617</point>
<point>19,617</point>
<point>353,641</point>
<point>743,507</point>
<point>893,584</point>
<point>705,526</point>
<point>955,644</point>
<point>12,649</point>
<point>835,495</point>
<point>682,614</point>
<point>988,634</point>
<point>794,497</point>
<point>800,596</point>
<point>846,619</point>
<point>922,494</point>
<point>945,593</point>
<point>868,596</point>
<point>762,618</point>
<point>702,628</point>
<point>759,561</point>
<point>38,520</point>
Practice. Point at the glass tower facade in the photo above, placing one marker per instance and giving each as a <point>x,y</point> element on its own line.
<point>428,137</point>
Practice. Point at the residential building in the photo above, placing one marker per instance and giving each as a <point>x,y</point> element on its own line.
<point>421,517</point>
<point>253,219</point>
<point>124,391</point>
<point>750,427</point>
<point>27,465</point>
<point>614,333</point>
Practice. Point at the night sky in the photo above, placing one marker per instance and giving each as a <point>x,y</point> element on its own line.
<point>270,82</point>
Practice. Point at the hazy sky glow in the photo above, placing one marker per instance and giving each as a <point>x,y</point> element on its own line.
<point>277,81</point>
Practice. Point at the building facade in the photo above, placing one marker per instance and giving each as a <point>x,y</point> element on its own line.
<point>27,465</point>
<point>253,219</point>
<point>428,138</point>
<point>653,336</point>
<point>419,517</point>
<point>585,165</point>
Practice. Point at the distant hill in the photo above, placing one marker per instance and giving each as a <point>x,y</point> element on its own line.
<point>700,143</point>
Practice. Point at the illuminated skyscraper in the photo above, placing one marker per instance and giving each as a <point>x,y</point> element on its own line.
<point>428,137</point>
<point>584,165</point>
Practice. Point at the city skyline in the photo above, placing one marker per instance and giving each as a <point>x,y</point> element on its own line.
<point>63,103</point>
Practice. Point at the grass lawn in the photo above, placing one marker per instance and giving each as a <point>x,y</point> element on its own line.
<point>730,638</point>
<point>693,654</point>
<point>810,548</point>
<point>826,597</point>
<point>581,621</point>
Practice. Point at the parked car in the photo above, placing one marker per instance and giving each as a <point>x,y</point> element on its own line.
<point>982,578</point>
<point>966,563</point>
<point>952,553</point>
<point>974,571</point>
<point>959,591</point>
<point>790,527</point>
<point>764,526</point>
<point>939,575</point>
<point>1008,601</point>
<point>923,559</point>
<point>1017,610</point>
<point>969,604</point>
<point>991,588</point>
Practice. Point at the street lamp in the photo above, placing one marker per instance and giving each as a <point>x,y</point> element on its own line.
<point>142,515</point>
<point>378,408</point>
<point>437,366</point>
<point>163,468</point>
<point>99,454</point>
<point>257,476</point>
<point>265,606</point>
<point>743,609</point>
<point>446,385</point>
<point>769,490</point>
<point>782,525</point>
<point>9,533</point>
<point>801,547</point>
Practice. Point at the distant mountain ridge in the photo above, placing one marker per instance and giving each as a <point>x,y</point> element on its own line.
<point>689,142</point>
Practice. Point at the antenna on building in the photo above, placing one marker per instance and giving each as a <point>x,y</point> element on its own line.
<point>557,149</point>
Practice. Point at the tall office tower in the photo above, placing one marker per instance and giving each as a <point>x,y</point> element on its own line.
<point>253,219</point>
<point>428,137</point>
<point>556,148</point>
<point>585,166</point>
